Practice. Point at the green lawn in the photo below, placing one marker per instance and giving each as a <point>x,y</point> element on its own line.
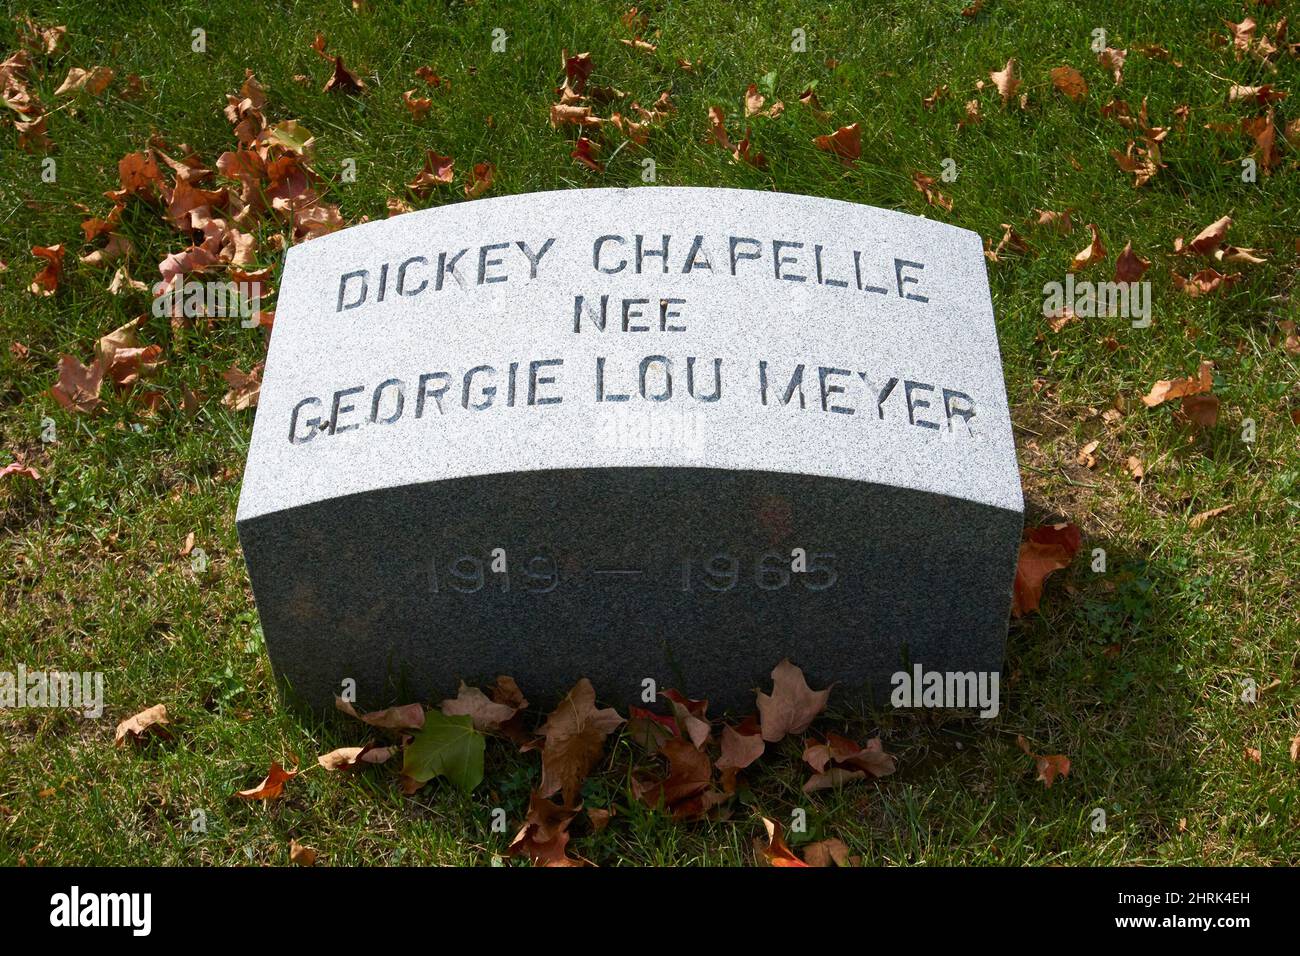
<point>1135,674</point>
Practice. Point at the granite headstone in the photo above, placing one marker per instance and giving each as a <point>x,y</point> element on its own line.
<point>667,433</point>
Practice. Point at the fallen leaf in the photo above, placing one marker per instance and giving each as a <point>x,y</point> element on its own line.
<point>544,836</point>
<point>244,387</point>
<point>1070,81</point>
<point>93,81</point>
<point>792,705</point>
<point>445,746</point>
<point>343,80</point>
<point>574,738</point>
<point>77,387</point>
<point>401,717</point>
<point>1167,389</point>
<point>1197,520</point>
<point>18,468</point>
<point>1093,253</point>
<point>739,750</point>
<point>437,171</point>
<point>301,854</point>
<point>1045,549</point>
<point>46,282</point>
<point>272,787</point>
<point>1113,60</point>
<point>151,720</point>
<point>1130,267</point>
<point>845,142</point>
<point>828,852</point>
<point>487,715</point>
<point>776,852</point>
<point>481,178</point>
<point>927,187</point>
<point>1049,767</point>
<point>1006,81</point>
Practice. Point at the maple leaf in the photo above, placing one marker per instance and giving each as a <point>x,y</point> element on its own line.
<point>741,746</point>
<point>417,106</point>
<point>1168,389</point>
<point>690,717</point>
<point>1130,267</point>
<point>437,171</point>
<point>489,714</point>
<point>809,99</point>
<point>272,787</point>
<point>1204,282</point>
<point>1049,767</point>
<point>481,179</point>
<point>46,282</point>
<point>342,80</point>
<point>1260,95</point>
<point>401,717</point>
<point>301,854</point>
<point>830,852</point>
<point>1044,549</point>
<point>1207,240</point>
<point>939,93</point>
<point>1060,221</point>
<point>93,81</point>
<point>776,852</point>
<point>544,836</point>
<point>446,746</point>
<point>353,758</point>
<point>244,387</point>
<point>1006,81</point>
<point>151,720</point>
<point>584,152</point>
<point>792,705</point>
<point>18,468</point>
<point>1243,34</point>
<point>845,142</point>
<point>1094,252</point>
<point>1113,60</point>
<point>927,187</point>
<point>1070,82</point>
<point>77,388</point>
<point>650,729</point>
<point>682,792</point>
<point>574,738</point>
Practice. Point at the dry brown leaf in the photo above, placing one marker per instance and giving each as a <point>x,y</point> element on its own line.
<point>1168,389</point>
<point>1006,81</point>
<point>270,788</point>
<point>1070,81</point>
<point>776,852</point>
<point>1091,254</point>
<point>792,705</point>
<point>927,186</point>
<point>573,740</point>
<point>151,720</point>
<point>845,142</point>
<point>1044,549</point>
<point>301,854</point>
<point>1197,520</point>
<point>244,387</point>
<point>1049,767</point>
<point>1130,267</point>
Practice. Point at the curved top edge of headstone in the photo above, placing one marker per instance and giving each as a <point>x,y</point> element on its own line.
<point>878,339</point>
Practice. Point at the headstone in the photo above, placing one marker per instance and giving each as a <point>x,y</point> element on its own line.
<point>672,434</point>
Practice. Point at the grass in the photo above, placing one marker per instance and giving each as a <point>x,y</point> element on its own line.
<point>1135,674</point>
